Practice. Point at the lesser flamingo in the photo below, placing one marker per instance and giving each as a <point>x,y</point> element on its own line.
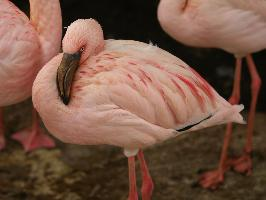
<point>123,93</point>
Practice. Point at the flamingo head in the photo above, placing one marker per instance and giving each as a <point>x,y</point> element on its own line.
<point>83,38</point>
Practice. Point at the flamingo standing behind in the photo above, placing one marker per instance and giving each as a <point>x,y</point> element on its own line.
<point>25,46</point>
<point>236,26</point>
<point>123,93</point>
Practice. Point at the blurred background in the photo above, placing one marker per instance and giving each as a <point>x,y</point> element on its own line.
<point>71,172</point>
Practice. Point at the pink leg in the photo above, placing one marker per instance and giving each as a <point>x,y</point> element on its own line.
<point>212,179</point>
<point>133,195</point>
<point>34,137</point>
<point>147,184</point>
<point>2,136</point>
<point>243,164</point>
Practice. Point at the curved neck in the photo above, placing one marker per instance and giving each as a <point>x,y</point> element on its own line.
<point>46,17</point>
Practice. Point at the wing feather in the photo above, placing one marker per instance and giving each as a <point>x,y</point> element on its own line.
<point>166,93</point>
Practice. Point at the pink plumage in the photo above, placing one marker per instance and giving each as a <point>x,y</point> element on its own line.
<point>25,46</point>
<point>236,26</point>
<point>124,93</point>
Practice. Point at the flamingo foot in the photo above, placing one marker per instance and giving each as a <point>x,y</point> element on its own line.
<point>212,179</point>
<point>33,139</point>
<point>243,164</point>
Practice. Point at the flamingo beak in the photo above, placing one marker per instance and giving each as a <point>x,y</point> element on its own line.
<point>65,74</point>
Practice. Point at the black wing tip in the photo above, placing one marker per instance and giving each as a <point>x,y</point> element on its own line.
<point>192,125</point>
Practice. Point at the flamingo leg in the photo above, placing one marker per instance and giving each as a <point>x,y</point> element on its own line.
<point>212,179</point>
<point>243,164</point>
<point>2,136</point>
<point>133,195</point>
<point>34,137</point>
<point>147,184</point>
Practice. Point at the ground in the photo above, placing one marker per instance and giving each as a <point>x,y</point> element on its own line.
<point>71,172</point>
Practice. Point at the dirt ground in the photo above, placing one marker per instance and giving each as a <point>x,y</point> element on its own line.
<point>71,172</point>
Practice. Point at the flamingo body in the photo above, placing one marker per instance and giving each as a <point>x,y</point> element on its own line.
<point>130,95</point>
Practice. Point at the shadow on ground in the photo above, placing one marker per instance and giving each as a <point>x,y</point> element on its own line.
<point>72,172</point>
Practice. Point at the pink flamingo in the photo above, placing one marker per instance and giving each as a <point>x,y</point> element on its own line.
<point>123,93</point>
<point>25,46</point>
<point>236,26</point>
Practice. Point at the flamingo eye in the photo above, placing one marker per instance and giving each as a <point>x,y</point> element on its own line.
<point>82,49</point>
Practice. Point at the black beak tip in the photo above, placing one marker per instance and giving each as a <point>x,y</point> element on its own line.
<point>65,100</point>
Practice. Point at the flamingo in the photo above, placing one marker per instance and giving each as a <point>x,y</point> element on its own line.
<point>25,46</point>
<point>123,93</point>
<point>236,26</point>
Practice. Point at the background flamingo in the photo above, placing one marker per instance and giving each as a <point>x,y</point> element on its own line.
<point>236,26</point>
<point>25,46</point>
<point>124,93</point>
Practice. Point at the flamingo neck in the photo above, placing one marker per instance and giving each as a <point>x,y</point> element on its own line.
<point>46,17</point>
